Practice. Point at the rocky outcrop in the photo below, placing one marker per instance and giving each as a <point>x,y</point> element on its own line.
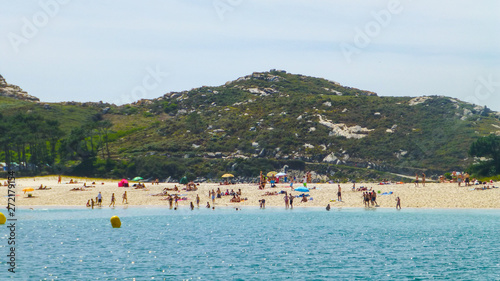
<point>342,130</point>
<point>13,91</point>
<point>418,100</point>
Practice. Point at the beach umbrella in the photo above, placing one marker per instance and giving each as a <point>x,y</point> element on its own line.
<point>281,174</point>
<point>137,179</point>
<point>271,174</point>
<point>302,189</point>
<point>183,180</point>
<point>227,175</point>
<point>29,189</point>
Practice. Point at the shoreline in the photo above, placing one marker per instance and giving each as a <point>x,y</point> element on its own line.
<point>185,207</point>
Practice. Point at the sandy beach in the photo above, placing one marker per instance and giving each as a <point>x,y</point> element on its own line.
<point>433,195</point>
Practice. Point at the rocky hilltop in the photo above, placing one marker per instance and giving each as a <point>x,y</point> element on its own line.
<point>13,91</point>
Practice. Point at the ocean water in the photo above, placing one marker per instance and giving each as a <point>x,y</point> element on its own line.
<point>254,244</point>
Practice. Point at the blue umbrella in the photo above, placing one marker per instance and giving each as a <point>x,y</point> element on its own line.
<point>302,189</point>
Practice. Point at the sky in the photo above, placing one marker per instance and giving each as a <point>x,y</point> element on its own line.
<point>122,51</point>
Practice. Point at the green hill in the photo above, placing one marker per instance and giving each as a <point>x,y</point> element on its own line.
<point>264,121</point>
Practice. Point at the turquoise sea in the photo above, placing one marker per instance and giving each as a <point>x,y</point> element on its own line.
<point>254,244</point>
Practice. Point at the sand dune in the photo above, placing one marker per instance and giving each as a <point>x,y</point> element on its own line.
<point>433,195</point>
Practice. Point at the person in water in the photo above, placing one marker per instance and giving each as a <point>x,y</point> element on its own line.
<point>328,207</point>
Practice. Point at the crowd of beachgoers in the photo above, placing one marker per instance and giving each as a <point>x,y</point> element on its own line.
<point>289,193</point>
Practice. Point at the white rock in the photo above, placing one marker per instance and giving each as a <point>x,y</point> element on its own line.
<point>340,129</point>
<point>330,158</point>
<point>418,100</point>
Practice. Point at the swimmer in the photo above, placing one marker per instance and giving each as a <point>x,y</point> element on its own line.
<point>328,207</point>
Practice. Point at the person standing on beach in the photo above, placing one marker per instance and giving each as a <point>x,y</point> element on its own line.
<point>112,200</point>
<point>59,179</point>
<point>423,179</point>
<point>286,200</point>
<point>339,194</point>
<point>197,200</point>
<point>398,203</point>
<point>192,206</point>
<point>170,201</point>
<point>99,199</point>
<point>125,198</point>
<point>92,203</point>
<point>374,198</point>
<point>291,201</point>
<point>416,180</point>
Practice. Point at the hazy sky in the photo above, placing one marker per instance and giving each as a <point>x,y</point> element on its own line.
<point>121,51</point>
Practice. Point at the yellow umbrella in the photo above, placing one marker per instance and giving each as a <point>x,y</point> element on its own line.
<point>271,174</point>
<point>227,175</point>
<point>28,190</point>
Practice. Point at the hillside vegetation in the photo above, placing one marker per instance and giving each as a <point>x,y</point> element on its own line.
<point>263,121</point>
